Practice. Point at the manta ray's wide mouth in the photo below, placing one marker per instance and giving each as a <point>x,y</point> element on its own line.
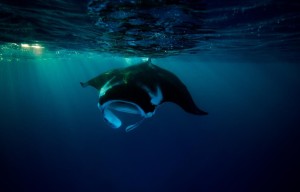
<point>110,108</point>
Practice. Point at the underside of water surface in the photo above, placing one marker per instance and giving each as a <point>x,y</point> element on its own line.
<point>149,28</point>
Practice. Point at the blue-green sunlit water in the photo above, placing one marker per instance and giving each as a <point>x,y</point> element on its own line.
<point>54,139</point>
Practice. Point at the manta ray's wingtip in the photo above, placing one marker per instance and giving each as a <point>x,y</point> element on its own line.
<point>204,113</point>
<point>83,84</point>
<point>201,112</point>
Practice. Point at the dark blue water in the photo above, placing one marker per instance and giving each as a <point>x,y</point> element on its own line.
<point>53,137</point>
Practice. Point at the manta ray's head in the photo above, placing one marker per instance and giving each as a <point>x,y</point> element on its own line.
<point>111,108</point>
<point>118,96</point>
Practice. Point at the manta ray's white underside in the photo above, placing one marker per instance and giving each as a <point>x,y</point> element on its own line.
<point>122,106</point>
<point>127,107</point>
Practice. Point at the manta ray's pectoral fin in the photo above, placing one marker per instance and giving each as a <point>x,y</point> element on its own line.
<point>84,84</point>
<point>189,106</point>
<point>185,101</point>
<point>180,95</point>
<point>198,111</point>
<point>99,81</point>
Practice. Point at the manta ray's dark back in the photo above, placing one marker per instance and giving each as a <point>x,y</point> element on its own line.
<point>146,77</point>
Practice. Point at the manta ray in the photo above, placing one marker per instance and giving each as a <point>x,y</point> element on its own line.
<point>139,89</point>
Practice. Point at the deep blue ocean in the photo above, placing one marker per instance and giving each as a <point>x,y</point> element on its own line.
<point>240,62</point>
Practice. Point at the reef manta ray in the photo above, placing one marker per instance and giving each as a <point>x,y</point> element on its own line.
<point>139,89</point>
